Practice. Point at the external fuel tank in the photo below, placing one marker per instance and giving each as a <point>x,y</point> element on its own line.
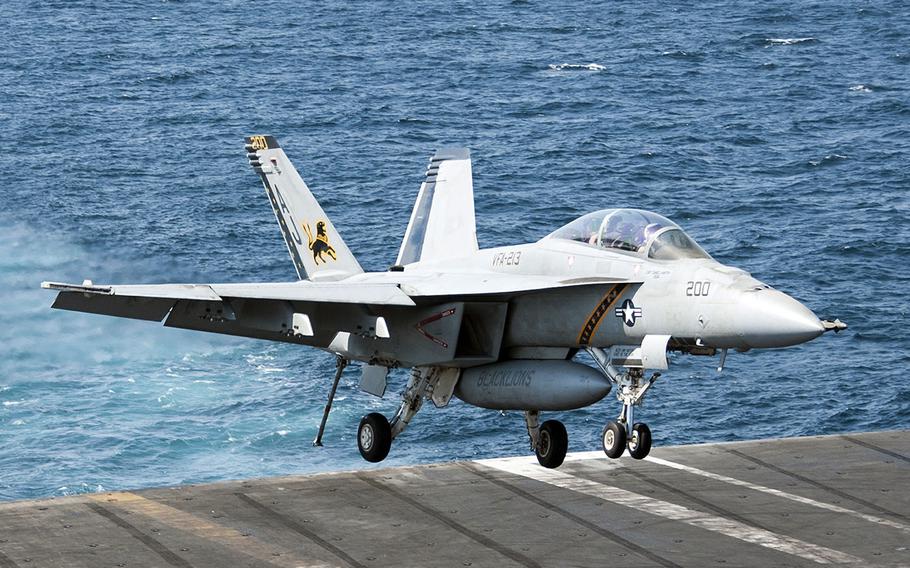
<point>523,384</point>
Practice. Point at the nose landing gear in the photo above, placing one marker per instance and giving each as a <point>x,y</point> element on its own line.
<point>624,432</point>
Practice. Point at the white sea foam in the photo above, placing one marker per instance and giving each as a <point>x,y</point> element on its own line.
<point>861,88</point>
<point>283,432</point>
<point>828,159</point>
<point>789,40</point>
<point>576,67</point>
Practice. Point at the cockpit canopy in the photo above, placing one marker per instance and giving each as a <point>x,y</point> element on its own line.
<point>632,230</point>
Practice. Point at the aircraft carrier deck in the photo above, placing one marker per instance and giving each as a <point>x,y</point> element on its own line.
<point>789,502</point>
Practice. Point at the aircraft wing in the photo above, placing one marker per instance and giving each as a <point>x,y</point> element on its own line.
<point>154,301</point>
<point>406,319</point>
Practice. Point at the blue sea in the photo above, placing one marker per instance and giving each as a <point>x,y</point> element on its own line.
<point>776,133</point>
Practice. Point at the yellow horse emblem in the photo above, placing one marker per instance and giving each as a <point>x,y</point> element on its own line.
<point>319,243</point>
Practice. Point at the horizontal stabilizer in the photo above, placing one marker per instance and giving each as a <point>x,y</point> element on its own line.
<point>442,223</point>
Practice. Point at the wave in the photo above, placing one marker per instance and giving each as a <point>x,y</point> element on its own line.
<point>576,67</point>
<point>871,88</point>
<point>681,54</point>
<point>830,159</point>
<point>790,40</point>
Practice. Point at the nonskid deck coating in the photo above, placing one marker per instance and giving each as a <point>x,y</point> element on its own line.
<point>788,502</point>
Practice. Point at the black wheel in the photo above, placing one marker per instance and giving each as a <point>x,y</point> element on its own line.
<point>614,439</point>
<point>552,444</point>
<point>374,437</point>
<point>640,442</point>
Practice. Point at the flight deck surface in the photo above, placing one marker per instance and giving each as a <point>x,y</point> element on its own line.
<point>839,499</point>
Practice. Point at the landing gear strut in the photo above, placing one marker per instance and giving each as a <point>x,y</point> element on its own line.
<point>375,433</point>
<point>548,440</point>
<point>624,432</point>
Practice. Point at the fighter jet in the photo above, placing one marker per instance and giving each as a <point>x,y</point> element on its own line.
<point>499,328</point>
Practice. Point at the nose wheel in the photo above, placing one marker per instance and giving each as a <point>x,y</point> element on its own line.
<point>616,440</point>
<point>639,442</point>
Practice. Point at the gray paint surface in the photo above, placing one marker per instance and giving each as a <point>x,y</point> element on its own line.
<point>841,495</point>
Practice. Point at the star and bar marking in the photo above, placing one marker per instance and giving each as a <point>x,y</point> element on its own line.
<point>628,313</point>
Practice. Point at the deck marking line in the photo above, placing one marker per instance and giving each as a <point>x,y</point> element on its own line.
<point>154,545</point>
<point>640,550</point>
<point>206,530</point>
<point>674,512</point>
<point>298,528</point>
<point>818,484</point>
<point>451,523</point>
<point>779,493</point>
<point>704,503</point>
<point>876,448</point>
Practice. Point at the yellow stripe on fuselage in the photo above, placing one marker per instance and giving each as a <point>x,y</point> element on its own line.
<point>596,317</point>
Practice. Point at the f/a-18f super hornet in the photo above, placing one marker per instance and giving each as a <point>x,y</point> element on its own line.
<point>498,328</point>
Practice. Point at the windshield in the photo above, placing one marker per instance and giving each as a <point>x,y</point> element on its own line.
<point>675,244</point>
<point>632,230</point>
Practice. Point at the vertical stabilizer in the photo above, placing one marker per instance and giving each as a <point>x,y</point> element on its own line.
<point>442,223</point>
<point>316,248</point>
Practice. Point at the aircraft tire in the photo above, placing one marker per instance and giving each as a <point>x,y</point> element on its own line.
<point>374,437</point>
<point>640,442</point>
<point>614,439</point>
<point>552,444</point>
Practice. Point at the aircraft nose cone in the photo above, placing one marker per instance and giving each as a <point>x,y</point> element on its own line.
<point>773,319</point>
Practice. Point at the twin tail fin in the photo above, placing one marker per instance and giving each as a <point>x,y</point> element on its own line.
<point>316,248</point>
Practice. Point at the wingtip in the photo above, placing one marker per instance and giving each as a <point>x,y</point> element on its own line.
<point>87,287</point>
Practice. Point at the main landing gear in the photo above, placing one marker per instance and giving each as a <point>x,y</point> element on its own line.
<point>375,433</point>
<point>548,440</point>
<point>374,437</point>
<point>624,432</point>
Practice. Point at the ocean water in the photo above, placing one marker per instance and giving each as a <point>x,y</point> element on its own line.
<point>776,133</point>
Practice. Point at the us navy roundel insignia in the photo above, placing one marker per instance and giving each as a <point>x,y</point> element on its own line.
<point>628,313</point>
